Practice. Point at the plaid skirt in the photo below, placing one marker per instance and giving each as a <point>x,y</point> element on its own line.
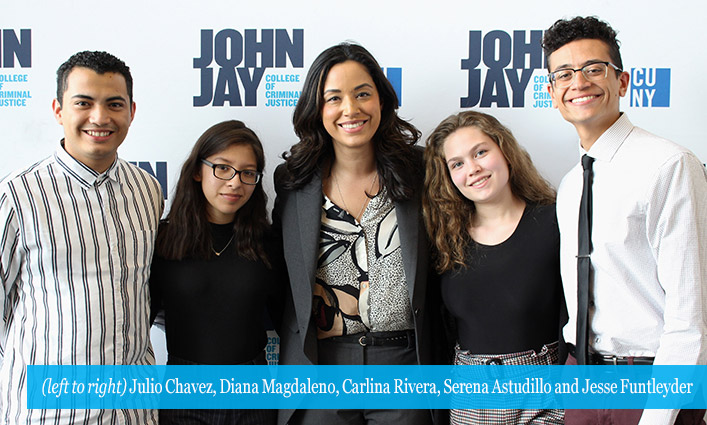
<point>217,416</point>
<point>547,356</point>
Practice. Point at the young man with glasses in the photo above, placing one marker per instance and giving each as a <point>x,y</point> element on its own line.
<point>633,225</point>
<point>77,234</point>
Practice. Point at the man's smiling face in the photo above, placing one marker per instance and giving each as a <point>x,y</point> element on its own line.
<point>96,113</point>
<point>591,106</point>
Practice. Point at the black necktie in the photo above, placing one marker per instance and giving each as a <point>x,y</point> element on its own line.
<point>584,262</point>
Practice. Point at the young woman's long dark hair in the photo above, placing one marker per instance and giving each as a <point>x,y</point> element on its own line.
<point>187,232</point>
<point>396,160</point>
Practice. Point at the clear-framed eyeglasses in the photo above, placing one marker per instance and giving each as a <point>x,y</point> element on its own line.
<point>594,71</point>
<point>226,172</point>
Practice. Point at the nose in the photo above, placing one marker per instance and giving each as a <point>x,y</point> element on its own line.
<point>474,167</point>
<point>235,181</point>
<point>99,115</point>
<point>349,106</point>
<point>579,81</point>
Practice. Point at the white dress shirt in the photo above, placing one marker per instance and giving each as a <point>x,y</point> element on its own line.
<point>75,253</point>
<point>649,233</point>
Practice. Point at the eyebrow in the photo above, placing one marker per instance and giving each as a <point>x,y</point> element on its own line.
<point>87,97</point>
<point>587,62</point>
<point>224,161</point>
<point>473,148</point>
<point>114,98</point>
<point>358,87</point>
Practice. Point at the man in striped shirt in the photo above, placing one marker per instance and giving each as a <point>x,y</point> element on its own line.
<point>76,241</point>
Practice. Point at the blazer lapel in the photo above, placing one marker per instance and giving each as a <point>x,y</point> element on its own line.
<point>309,216</point>
<point>309,212</point>
<point>407,214</point>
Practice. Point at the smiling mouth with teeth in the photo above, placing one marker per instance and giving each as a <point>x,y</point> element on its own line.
<point>477,183</point>
<point>353,125</point>
<point>96,133</point>
<point>583,99</point>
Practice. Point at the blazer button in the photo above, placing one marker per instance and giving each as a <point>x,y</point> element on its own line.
<point>417,312</point>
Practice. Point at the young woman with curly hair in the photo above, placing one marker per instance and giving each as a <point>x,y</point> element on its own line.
<point>491,217</point>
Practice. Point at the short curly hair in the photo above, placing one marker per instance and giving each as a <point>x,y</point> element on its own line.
<point>568,30</point>
<point>99,62</point>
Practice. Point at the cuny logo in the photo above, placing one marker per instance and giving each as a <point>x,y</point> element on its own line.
<point>650,87</point>
<point>510,63</point>
<point>240,63</point>
<point>395,76</point>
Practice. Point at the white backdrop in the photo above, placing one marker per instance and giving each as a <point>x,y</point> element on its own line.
<point>425,44</point>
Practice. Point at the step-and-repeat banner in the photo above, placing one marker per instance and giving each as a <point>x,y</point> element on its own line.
<point>196,64</point>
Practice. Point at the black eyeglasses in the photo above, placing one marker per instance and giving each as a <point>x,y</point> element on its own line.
<point>594,71</point>
<point>226,172</point>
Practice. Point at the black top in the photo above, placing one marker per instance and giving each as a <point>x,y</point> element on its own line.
<point>215,309</point>
<point>509,297</point>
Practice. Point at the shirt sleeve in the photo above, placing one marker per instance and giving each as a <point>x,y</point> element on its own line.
<point>10,260</point>
<point>677,231</point>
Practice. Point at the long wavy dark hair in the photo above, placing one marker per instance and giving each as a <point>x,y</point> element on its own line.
<point>395,157</point>
<point>448,214</point>
<point>187,232</point>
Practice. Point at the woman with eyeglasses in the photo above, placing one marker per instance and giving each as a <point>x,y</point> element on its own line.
<point>215,269</point>
<point>348,210</point>
<point>491,217</point>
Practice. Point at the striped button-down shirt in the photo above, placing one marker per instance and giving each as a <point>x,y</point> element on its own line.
<point>75,252</point>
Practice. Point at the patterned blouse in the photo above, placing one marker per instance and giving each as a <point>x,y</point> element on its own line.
<point>360,283</point>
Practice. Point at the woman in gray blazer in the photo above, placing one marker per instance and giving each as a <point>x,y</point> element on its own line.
<point>348,210</point>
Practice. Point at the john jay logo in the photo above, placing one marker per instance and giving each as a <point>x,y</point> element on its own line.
<point>278,96</point>
<point>240,63</point>
<point>14,84</point>
<point>14,47</point>
<point>160,175</point>
<point>650,87</point>
<point>510,63</point>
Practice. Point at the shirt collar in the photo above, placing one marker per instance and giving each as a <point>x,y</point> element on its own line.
<point>81,172</point>
<point>610,141</point>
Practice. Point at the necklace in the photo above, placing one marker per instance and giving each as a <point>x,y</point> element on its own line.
<point>218,253</point>
<point>363,208</point>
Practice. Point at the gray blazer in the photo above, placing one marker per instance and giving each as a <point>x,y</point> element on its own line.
<point>297,217</point>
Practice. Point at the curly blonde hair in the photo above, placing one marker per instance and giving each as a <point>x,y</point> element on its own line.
<point>448,214</point>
